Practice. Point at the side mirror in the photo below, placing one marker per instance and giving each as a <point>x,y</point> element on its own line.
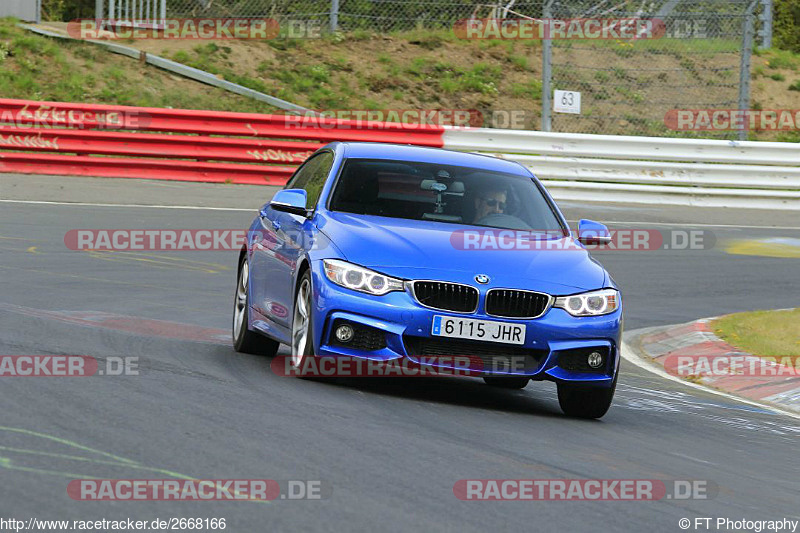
<point>591,232</point>
<point>290,201</point>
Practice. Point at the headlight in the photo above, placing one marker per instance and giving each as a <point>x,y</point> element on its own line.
<point>359,278</point>
<point>592,303</point>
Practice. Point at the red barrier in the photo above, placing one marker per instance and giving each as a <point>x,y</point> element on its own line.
<point>117,167</point>
<point>91,116</point>
<point>28,128</point>
<point>156,145</point>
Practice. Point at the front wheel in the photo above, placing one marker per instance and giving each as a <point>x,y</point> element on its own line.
<point>302,328</point>
<point>582,401</point>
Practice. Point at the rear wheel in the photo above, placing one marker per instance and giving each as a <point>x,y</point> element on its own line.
<point>507,382</point>
<point>244,340</point>
<point>581,401</point>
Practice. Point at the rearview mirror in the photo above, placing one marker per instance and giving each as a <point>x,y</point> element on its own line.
<point>591,232</point>
<point>290,201</point>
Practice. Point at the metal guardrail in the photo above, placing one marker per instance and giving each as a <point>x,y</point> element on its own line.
<point>622,147</point>
<point>661,173</point>
<point>613,168</point>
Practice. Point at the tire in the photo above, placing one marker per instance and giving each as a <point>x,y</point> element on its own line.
<point>302,324</point>
<point>585,401</point>
<point>507,382</point>
<point>244,340</point>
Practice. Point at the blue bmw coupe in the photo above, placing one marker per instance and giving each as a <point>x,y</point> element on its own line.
<point>388,252</point>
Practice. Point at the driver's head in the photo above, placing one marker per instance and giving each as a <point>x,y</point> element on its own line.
<point>490,201</point>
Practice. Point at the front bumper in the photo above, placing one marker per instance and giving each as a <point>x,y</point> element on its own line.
<point>553,339</point>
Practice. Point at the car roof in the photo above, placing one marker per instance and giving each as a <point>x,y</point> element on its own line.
<point>423,154</point>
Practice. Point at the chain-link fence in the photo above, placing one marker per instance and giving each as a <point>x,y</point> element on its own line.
<point>338,15</point>
<point>630,85</point>
<point>695,57</point>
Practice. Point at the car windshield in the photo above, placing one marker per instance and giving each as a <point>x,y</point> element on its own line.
<point>442,193</point>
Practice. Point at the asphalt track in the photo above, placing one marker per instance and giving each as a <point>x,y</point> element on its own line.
<point>391,450</point>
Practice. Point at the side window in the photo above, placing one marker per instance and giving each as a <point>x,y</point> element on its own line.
<point>312,176</point>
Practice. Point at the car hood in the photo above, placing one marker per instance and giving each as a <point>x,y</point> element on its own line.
<point>414,249</point>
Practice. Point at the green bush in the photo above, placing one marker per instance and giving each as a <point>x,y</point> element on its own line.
<point>786,25</point>
<point>66,10</point>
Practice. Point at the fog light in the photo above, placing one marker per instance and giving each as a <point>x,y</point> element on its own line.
<point>344,333</point>
<point>595,359</point>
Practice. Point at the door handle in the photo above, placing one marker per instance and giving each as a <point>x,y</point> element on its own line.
<point>275,224</point>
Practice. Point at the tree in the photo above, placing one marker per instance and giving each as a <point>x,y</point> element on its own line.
<point>786,25</point>
<point>66,10</point>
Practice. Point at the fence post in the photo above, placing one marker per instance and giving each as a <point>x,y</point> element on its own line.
<point>766,24</point>
<point>547,59</point>
<point>744,67</point>
<point>334,15</point>
<point>98,9</point>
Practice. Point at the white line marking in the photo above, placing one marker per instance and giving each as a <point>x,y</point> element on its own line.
<point>692,458</point>
<point>630,355</point>
<point>84,204</point>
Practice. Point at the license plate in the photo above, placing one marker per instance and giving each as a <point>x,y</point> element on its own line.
<point>478,330</point>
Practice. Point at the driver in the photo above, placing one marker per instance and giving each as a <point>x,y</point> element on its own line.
<point>489,202</point>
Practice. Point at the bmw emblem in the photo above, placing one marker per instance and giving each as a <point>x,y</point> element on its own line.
<point>483,279</point>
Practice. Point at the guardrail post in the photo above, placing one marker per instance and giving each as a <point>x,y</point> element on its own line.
<point>744,68</point>
<point>547,61</point>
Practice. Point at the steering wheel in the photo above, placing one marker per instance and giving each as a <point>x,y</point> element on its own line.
<point>502,220</point>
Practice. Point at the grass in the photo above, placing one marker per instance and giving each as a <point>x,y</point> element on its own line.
<point>782,59</point>
<point>34,67</point>
<point>530,89</point>
<point>418,69</point>
<point>762,333</point>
